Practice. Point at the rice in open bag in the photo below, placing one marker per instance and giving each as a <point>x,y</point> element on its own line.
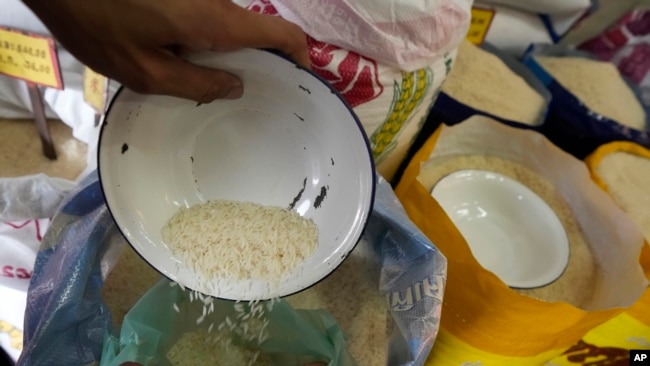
<point>592,104</point>
<point>622,168</point>
<point>67,321</point>
<point>485,321</point>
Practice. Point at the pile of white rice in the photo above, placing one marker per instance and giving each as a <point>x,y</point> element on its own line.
<point>351,294</point>
<point>240,240</point>
<point>484,82</point>
<point>214,345</point>
<point>599,85</point>
<point>213,349</point>
<point>627,177</point>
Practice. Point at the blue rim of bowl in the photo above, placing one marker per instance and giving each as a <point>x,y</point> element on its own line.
<point>333,91</point>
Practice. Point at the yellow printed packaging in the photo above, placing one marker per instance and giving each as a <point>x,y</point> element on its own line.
<point>611,341</point>
<point>483,321</point>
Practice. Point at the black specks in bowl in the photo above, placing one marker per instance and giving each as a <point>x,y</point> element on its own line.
<point>321,197</point>
<point>299,195</point>
<point>125,147</point>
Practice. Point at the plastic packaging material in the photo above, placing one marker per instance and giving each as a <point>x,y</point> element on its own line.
<point>570,124</point>
<point>65,318</point>
<point>152,327</point>
<point>67,322</point>
<point>404,34</point>
<point>518,24</point>
<point>513,30</point>
<point>31,197</point>
<point>413,278</point>
<point>20,241</point>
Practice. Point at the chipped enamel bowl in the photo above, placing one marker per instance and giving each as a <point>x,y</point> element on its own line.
<point>510,230</point>
<point>290,141</point>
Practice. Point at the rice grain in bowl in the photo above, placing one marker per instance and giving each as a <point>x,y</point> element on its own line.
<point>290,142</point>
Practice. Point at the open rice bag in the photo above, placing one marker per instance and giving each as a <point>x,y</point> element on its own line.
<point>592,104</point>
<point>488,82</point>
<point>484,321</point>
<point>622,168</point>
<point>82,293</point>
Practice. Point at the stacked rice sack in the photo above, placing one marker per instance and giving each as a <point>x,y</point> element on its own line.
<point>536,21</point>
<point>390,80</point>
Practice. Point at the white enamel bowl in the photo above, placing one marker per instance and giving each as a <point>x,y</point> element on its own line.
<point>511,231</point>
<point>290,141</point>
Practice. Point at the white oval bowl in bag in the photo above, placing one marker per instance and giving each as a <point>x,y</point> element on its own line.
<point>510,229</point>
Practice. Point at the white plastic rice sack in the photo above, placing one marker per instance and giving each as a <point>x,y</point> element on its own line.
<point>402,34</point>
<point>391,104</point>
<point>513,30</point>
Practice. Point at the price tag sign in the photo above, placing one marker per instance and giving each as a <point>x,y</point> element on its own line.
<point>480,24</point>
<point>95,90</point>
<point>29,57</point>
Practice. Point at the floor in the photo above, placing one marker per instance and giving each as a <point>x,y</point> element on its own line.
<point>20,150</point>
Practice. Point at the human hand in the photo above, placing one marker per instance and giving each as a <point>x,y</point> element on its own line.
<point>140,43</point>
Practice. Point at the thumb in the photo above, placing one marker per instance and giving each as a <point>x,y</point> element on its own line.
<point>169,74</point>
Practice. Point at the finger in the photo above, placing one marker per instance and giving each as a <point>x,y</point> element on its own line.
<point>169,74</point>
<point>254,30</point>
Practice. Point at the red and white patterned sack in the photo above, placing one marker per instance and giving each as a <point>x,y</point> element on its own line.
<point>26,203</point>
<point>391,101</point>
<point>19,242</point>
<point>627,45</point>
